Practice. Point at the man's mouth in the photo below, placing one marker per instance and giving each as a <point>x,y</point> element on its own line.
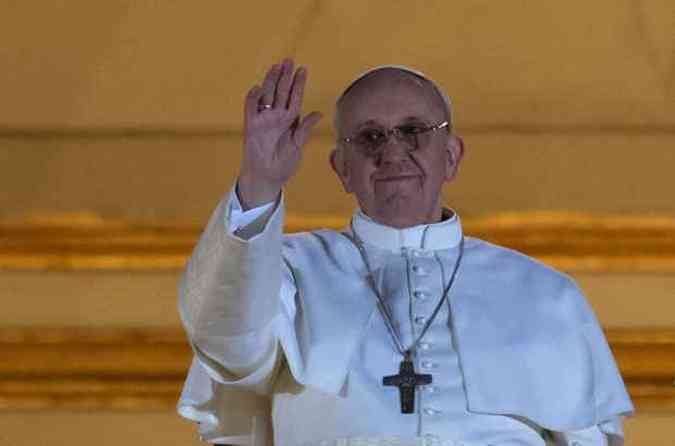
<point>397,178</point>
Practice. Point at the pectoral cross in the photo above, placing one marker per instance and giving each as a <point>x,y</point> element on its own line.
<point>406,381</point>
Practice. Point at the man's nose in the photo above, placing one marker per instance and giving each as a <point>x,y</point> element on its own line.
<point>394,151</point>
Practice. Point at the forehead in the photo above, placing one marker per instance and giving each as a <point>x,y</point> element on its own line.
<point>387,97</point>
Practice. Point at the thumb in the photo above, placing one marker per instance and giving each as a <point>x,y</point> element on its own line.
<point>301,134</point>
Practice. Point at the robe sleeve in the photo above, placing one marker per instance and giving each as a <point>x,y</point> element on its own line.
<point>607,433</point>
<point>229,303</point>
<point>238,218</point>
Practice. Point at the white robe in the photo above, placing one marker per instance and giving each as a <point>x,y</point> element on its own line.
<point>516,352</point>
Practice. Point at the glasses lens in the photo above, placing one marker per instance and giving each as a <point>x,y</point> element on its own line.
<point>370,140</point>
<point>414,135</point>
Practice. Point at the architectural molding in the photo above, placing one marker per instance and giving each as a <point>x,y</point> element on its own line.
<point>574,242</point>
<point>141,132</point>
<point>144,368</point>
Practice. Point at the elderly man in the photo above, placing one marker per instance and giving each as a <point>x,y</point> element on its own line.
<point>399,329</point>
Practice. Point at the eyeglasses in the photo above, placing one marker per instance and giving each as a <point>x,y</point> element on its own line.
<point>371,141</point>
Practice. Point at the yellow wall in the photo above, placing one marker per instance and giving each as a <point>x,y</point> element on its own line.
<point>132,110</point>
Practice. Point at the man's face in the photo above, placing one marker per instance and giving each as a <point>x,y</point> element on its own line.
<point>401,187</point>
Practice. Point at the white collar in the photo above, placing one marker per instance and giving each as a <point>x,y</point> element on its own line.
<point>442,235</point>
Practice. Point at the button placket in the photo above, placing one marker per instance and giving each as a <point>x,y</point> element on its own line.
<point>431,440</point>
<point>420,295</point>
<point>430,389</point>
<point>420,270</point>
<point>422,267</point>
<point>420,253</point>
<point>420,320</point>
<point>428,365</point>
<point>426,346</point>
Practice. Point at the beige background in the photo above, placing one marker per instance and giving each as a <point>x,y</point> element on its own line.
<point>132,109</point>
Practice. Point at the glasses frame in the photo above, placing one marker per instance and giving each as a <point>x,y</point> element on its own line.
<point>397,132</point>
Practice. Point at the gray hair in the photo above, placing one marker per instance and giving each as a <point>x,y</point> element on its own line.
<point>447,104</point>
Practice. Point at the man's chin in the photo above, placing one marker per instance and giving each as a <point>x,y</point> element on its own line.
<point>398,185</point>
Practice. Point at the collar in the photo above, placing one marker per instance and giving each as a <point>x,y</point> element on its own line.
<point>442,235</point>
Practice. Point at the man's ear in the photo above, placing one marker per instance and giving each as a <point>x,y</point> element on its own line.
<point>455,154</point>
<point>339,165</point>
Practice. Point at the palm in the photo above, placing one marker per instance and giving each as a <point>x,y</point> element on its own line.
<point>275,136</point>
<point>270,145</point>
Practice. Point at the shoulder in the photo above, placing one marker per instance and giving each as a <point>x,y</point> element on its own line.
<point>527,279</point>
<point>312,239</point>
<point>316,245</point>
<point>508,260</point>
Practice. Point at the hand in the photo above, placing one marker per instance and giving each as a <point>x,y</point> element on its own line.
<point>274,136</point>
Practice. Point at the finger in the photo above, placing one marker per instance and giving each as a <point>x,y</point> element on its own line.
<point>301,134</point>
<point>251,102</point>
<point>270,84</point>
<point>284,84</point>
<point>297,91</point>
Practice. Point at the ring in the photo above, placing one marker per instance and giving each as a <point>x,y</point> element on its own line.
<point>262,107</point>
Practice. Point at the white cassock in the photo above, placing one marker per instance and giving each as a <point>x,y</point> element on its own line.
<point>287,334</point>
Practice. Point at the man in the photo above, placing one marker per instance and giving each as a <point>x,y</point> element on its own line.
<point>398,330</point>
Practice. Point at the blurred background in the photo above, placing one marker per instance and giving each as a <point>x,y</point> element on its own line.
<point>120,129</point>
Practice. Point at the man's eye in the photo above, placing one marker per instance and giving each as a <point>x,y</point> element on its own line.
<point>371,136</point>
<point>411,129</point>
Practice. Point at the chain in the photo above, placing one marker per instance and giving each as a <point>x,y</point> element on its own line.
<point>384,311</point>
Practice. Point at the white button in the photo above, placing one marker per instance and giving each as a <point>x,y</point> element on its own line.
<point>420,253</point>
<point>425,345</point>
<point>430,440</point>
<point>419,270</point>
<point>430,389</point>
<point>429,365</point>
<point>430,411</point>
<point>420,320</point>
<point>421,295</point>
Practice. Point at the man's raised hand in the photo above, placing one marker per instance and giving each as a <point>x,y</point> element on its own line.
<point>274,134</point>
